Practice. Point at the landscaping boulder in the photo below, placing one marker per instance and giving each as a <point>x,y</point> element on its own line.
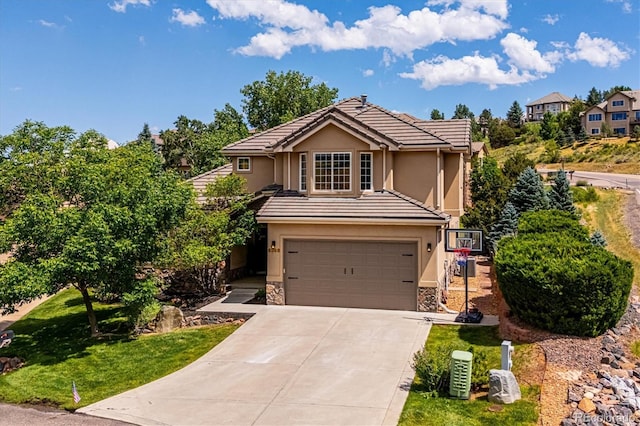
<point>168,318</point>
<point>503,387</point>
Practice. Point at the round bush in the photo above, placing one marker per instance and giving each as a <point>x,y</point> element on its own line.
<point>559,283</point>
<point>545,221</point>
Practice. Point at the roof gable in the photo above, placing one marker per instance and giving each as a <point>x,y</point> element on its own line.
<point>372,123</point>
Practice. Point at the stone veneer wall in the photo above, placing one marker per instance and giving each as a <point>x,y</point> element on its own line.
<point>275,293</point>
<point>428,298</point>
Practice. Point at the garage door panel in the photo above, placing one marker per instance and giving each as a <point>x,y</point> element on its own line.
<point>362,274</point>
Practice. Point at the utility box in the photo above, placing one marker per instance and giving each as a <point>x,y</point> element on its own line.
<point>506,353</point>
<point>460,379</point>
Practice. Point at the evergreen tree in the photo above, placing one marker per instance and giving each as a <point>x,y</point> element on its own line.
<point>561,197</point>
<point>515,165</point>
<point>514,115</point>
<point>594,97</point>
<point>436,115</point>
<point>505,226</point>
<point>597,239</point>
<point>145,134</point>
<point>582,136</point>
<point>529,194</point>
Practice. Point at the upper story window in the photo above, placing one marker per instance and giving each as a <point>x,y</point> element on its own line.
<point>332,171</point>
<point>366,171</point>
<point>244,164</point>
<point>619,116</point>
<point>303,172</point>
<point>617,103</point>
<point>538,106</point>
<point>595,117</point>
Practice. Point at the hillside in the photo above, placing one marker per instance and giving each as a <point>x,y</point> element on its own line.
<point>614,155</point>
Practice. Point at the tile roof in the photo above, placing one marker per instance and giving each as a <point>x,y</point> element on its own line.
<point>635,95</point>
<point>372,122</point>
<point>379,206</point>
<point>200,182</point>
<point>551,98</point>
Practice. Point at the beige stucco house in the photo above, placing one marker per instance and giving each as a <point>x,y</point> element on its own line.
<point>554,103</point>
<point>621,111</point>
<point>357,200</point>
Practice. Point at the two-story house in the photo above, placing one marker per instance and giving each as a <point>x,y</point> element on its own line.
<point>554,103</point>
<point>358,201</point>
<point>621,111</point>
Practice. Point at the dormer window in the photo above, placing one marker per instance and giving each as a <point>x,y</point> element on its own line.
<point>332,171</point>
<point>244,164</point>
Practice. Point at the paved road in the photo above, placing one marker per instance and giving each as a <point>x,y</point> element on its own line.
<point>16,415</point>
<point>606,180</point>
<point>288,365</point>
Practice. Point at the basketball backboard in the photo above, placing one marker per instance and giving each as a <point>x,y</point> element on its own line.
<point>459,238</point>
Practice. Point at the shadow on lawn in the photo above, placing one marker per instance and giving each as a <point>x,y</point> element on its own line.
<point>53,340</point>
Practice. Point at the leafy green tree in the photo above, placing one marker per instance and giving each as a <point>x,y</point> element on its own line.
<point>436,115</point>
<point>514,115</point>
<point>561,197</point>
<point>551,152</point>
<point>205,239</point>
<point>571,120</point>
<point>594,97</point>
<point>501,135</point>
<point>280,98</point>
<point>597,239</point>
<point>515,165</point>
<point>528,193</point>
<point>606,130</point>
<point>507,225</point>
<point>636,132</point>
<point>549,126</point>
<point>96,216</point>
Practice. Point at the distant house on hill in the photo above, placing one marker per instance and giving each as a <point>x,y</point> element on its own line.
<point>553,102</point>
<point>111,144</point>
<point>621,111</point>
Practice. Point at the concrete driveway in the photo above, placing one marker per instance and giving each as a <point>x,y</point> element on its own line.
<point>288,365</point>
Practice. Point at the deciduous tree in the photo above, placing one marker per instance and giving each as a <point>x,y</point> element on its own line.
<point>280,98</point>
<point>94,217</point>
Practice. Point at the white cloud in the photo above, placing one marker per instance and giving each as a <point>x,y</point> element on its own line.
<point>522,54</point>
<point>598,52</point>
<point>47,24</point>
<point>290,25</point>
<point>444,71</point>
<point>551,19</point>
<point>121,5</point>
<point>626,5</point>
<point>15,89</point>
<point>142,41</point>
<point>188,19</point>
<point>367,73</point>
<point>524,30</point>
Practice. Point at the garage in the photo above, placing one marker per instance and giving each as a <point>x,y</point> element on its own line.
<point>355,274</point>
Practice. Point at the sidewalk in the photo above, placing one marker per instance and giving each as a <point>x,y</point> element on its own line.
<point>7,320</point>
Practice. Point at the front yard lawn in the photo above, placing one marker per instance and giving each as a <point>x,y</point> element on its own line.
<point>55,342</point>
<point>420,409</point>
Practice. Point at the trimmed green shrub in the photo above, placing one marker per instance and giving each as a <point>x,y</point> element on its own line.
<point>562,284</point>
<point>584,195</point>
<point>552,221</point>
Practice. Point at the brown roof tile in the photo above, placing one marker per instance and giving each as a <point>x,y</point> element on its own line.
<point>200,182</point>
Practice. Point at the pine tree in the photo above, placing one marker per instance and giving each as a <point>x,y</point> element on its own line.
<point>505,226</point>
<point>528,194</point>
<point>561,197</point>
<point>145,134</point>
<point>514,115</point>
<point>582,136</point>
<point>597,239</point>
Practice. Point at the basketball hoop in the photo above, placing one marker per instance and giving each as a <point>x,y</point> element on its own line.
<point>462,253</point>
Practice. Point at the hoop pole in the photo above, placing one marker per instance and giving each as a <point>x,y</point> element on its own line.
<point>466,289</point>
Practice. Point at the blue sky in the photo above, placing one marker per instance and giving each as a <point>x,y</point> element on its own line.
<point>113,65</point>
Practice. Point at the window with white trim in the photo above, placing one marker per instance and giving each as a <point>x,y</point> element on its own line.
<point>617,103</point>
<point>303,172</point>
<point>595,117</point>
<point>332,171</point>
<point>366,171</point>
<point>595,131</point>
<point>616,116</point>
<point>619,131</point>
<point>244,164</point>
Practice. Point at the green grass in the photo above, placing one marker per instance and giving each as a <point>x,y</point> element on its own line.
<point>422,410</point>
<point>607,215</point>
<point>55,342</point>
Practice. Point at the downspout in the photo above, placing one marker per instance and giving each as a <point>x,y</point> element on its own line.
<point>288,170</point>
<point>437,178</point>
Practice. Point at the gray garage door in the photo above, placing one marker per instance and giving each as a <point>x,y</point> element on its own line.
<point>354,274</point>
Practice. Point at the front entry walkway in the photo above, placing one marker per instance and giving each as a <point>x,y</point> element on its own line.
<point>288,365</point>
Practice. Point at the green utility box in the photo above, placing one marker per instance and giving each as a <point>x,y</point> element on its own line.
<point>460,380</point>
